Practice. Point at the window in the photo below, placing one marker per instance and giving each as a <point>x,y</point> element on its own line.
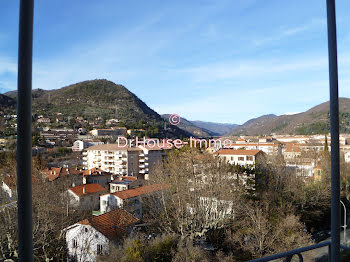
<point>240,158</point>
<point>99,249</point>
<point>250,158</point>
<point>74,243</point>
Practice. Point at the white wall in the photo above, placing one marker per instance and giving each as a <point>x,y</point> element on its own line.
<point>87,239</point>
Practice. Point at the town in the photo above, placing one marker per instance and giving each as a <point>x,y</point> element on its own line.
<point>106,184</point>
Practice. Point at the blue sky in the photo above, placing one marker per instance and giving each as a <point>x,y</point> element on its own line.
<point>221,61</point>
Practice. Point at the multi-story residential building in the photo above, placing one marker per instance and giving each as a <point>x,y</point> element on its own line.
<point>60,136</point>
<point>117,131</point>
<point>268,148</point>
<point>292,139</point>
<point>92,237</point>
<point>123,160</point>
<point>240,157</point>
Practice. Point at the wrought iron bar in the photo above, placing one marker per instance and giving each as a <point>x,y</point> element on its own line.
<point>334,119</point>
<point>24,131</point>
<point>289,254</point>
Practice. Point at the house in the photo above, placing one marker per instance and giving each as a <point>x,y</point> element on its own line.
<point>97,176</point>
<point>86,197</point>
<point>8,189</point>
<point>240,157</point>
<point>241,141</point>
<point>44,120</point>
<point>302,169</point>
<point>93,236</point>
<point>291,151</point>
<point>124,183</point>
<point>266,139</point>
<point>71,177</point>
<point>130,199</point>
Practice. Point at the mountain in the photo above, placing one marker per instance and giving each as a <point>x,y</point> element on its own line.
<point>189,127</point>
<point>100,98</point>
<point>7,103</point>
<point>216,129</point>
<point>313,121</point>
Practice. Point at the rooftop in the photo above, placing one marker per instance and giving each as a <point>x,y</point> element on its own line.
<point>139,191</point>
<point>111,224</point>
<point>87,189</point>
<point>226,151</point>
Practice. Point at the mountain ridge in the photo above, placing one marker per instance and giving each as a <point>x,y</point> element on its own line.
<point>312,121</point>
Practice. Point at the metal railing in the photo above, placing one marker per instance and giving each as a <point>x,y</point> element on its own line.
<point>288,255</point>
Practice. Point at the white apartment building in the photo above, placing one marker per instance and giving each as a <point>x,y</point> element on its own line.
<point>268,148</point>
<point>130,161</point>
<point>80,145</point>
<point>240,157</point>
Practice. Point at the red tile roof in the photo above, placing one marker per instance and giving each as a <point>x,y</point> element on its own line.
<point>55,172</point>
<point>89,189</point>
<point>121,178</point>
<point>111,224</point>
<point>292,148</point>
<point>95,171</point>
<point>254,144</point>
<point>125,194</point>
<point>224,151</point>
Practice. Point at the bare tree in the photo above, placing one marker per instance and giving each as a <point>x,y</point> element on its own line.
<point>201,194</point>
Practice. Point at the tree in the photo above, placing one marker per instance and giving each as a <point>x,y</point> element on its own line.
<point>200,196</point>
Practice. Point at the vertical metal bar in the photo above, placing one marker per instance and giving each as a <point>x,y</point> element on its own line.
<point>334,118</point>
<point>24,131</point>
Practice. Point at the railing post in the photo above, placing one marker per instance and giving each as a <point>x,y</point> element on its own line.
<point>24,131</point>
<point>334,119</point>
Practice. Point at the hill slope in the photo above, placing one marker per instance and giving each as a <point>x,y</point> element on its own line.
<point>216,129</point>
<point>313,121</point>
<point>98,98</point>
<point>189,127</point>
<point>7,103</point>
